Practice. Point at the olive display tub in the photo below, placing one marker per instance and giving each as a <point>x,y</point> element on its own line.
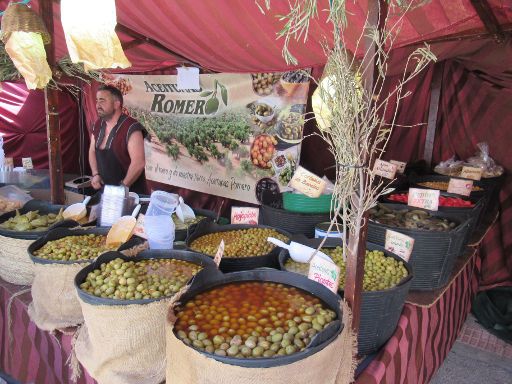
<point>292,222</point>
<point>434,253</point>
<point>320,340</point>
<point>234,264</point>
<point>380,310</point>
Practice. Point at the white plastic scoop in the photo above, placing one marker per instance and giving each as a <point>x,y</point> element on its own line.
<point>122,229</point>
<point>76,211</point>
<point>299,252</point>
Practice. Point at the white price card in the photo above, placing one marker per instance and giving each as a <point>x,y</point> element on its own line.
<point>424,198</point>
<point>399,244</point>
<point>473,173</point>
<point>245,215</point>
<point>139,227</point>
<point>460,186</point>
<point>324,272</point>
<point>27,163</point>
<point>307,182</point>
<point>400,165</point>
<point>188,78</point>
<point>384,169</point>
<point>220,252</point>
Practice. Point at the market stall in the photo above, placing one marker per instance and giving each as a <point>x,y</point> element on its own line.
<point>413,259</point>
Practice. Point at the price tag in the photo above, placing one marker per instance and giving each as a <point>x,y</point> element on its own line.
<point>384,169</point>
<point>460,186</point>
<point>324,272</point>
<point>400,165</point>
<point>139,227</point>
<point>8,164</point>
<point>424,198</point>
<point>307,182</point>
<point>399,244</point>
<point>27,163</point>
<point>473,173</point>
<point>220,252</point>
<point>245,215</point>
<point>188,78</point>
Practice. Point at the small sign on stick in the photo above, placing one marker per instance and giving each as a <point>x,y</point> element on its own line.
<point>424,198</point>
<point>399,244</point>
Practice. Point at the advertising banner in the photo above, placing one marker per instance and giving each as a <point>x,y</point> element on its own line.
<point>237,136</point>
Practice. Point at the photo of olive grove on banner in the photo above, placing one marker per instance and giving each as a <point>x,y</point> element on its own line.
<point>234,137</point>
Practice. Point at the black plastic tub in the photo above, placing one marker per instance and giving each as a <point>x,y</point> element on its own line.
<point>321,340</point>
<point>416,180</point>
<point>59,233</point>
<point>207,263</point>
<point>234,264</point>
<point>292,222</point>
<point>434,253</point>
<point>380,310</point>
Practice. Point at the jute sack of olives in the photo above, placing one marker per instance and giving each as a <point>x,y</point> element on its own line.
<point>57,258</point>
<point>124,302</point>
<point>209,337</point>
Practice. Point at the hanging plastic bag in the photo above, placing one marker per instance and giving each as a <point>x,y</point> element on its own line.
<point>90,35</point>
<point>450,167</point>
<point>26,51</point>
<point>184,212</point>
<point>483,160</point>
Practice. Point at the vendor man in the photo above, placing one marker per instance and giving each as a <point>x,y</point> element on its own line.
<point>116,153</point>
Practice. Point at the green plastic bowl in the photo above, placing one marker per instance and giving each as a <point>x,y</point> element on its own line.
<point>296,202</point>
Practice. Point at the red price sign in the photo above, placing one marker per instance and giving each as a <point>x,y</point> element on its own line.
<point>424,198</point>
<point>245,215</point>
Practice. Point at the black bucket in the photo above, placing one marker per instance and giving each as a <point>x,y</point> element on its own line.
<point>292,222</point>
<point>434,253</point>
<point>206,262</point>
<point>234,264</point>
<point>321,340</point>
<point>380,310</point>
<point>59,233</point>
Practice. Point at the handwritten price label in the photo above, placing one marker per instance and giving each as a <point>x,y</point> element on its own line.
<point>473,173</point>
<point>384,169</point>
<point>139,227</point>
<point>308,183</point>
<point>27,163</point>
<point>220,252</point>
<point>245,215</point>
<point>399,244</point>
<point>460,186</point>
<point>324,272</point>
<point>400,165</point>
<point>424,198</point>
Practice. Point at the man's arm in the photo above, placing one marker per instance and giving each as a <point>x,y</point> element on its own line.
<point>137,158</point>
<point>96,178</point>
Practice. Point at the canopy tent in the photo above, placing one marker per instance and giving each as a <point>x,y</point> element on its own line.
<point>228,36</point>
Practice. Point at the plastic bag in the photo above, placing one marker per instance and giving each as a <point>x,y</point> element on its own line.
<point>11,198</point>
<point>450,167</point>
<point>483,160</point>
<point>184,212</point>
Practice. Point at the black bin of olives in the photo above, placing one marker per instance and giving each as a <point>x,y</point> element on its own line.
<point>380,309</point>
<point>245,262</point>
<point>207,264</point>
<point>323,338</point>
<point>59,233</point>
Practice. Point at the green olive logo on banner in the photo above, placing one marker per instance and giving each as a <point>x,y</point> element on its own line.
<point>238,136</point>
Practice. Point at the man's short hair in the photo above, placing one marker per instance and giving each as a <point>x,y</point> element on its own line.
<point>116,93</point>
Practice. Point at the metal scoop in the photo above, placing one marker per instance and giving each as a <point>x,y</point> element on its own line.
<point>76,211</point>
<point>299,252</point>
<point>122,229</point>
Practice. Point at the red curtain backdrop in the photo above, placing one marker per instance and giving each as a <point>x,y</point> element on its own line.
<point>23,125</point>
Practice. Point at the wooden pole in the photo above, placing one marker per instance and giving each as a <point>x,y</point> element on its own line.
<point>435,92</point>
<point>377,12</point>
<point>51,100</point>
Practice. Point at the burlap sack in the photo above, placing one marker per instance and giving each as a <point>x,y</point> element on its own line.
<point>54,300</point>
<point>332,365</point>
<point>123,344</point>
<point>15,264</point>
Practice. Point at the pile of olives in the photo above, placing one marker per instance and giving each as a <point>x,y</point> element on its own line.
<point>71,248</point>
<point>252,320</point>
<point>290,127</point>
<point>263,83</point>
<point>238,243</point>
<point>31,221</point>
<point>380,271</point>
<point>135,280</point>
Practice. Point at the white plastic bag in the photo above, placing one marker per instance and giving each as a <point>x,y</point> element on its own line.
<point>11,198</point>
